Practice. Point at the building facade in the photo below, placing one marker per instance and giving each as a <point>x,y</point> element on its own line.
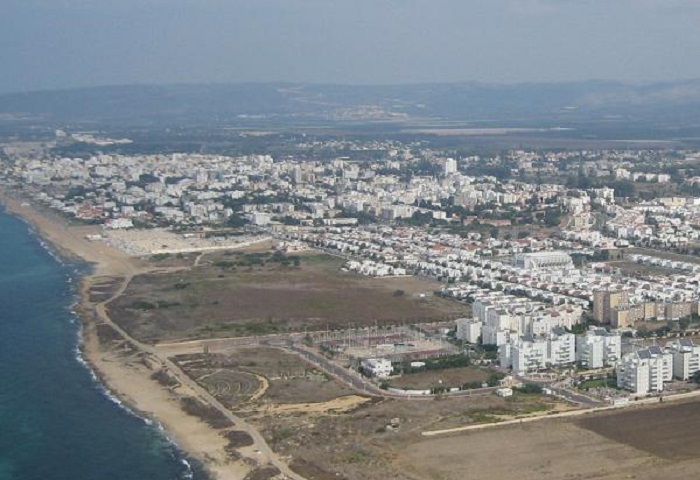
<point>598,348</point>
<point>645,371</point>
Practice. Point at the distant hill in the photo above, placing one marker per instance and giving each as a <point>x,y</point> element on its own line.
<point>468,103</point>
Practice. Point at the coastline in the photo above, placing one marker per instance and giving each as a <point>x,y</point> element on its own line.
<point>127,383</point>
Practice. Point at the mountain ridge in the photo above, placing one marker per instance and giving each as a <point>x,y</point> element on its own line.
<point>466,101</point>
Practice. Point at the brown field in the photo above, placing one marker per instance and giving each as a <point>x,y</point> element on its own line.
<point>290,407</point>
<point>676,257</point>
<point>223,298</point>
<point>314,388</point>
<point>671,432</point>
<point>248,376</point>
<point>103,288</point>
<point>542,451</point>
<point>358,445</point>
<point>354,444</point>
<point>170,260</point>
<point>634,268</point>
<point>451,377</point>
<point>644,444</point>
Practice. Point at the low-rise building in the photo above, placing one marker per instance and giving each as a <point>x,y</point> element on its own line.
<point>504,392</point>
<point>377,367</point>
<point>552,260</point>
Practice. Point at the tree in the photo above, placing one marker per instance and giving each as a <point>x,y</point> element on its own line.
<point>624,188</point>
<point>532,388</point>
<point>288,220</point>
<point>235,221</point>
<point>145,178</point>
<point>696,377</point>
<point>684,323</point>
<point>552,217</point>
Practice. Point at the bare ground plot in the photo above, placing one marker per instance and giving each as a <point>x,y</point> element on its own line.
<point>171,260</point>
<point>260,375</point>
<point>546,450</point>
<point>634,268</point>
<point>290,379</point>
<point>101,289</point>
<point>231,300</point>
<point>451,377</point>
<point>230,386</point>
<point>670,432</point>
<point>644,444</point>
<point>362,444</point>
<point>663,254</point>
<point>315,388</point>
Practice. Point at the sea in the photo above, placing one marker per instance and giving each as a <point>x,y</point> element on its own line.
<point>57,421</point>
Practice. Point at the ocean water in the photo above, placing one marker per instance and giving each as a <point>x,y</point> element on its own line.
<point>56,421</point>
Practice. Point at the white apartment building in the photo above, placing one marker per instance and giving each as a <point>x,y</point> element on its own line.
<point>516,322</point>
<point>645,371</point>
<point>545,322</point>
<point>449,166</point>
<point>598,348</point>
<point>529,353</point>
<point>498,324</point>
<point>561,347</point>
<point>493,335</point>
<point>468,329</point>
<point>686,358</point>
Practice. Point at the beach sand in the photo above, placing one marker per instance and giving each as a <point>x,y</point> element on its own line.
<point>129,381</point>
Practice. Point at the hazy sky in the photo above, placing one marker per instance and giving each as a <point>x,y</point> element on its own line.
<point>66,43</point>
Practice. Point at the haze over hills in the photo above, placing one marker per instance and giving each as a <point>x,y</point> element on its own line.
<point>666,105</point>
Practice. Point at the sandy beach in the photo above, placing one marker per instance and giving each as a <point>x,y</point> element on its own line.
<point>128,376</point>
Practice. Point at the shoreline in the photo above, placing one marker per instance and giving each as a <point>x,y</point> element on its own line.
<point>128,382</point>
<point>128,385</point>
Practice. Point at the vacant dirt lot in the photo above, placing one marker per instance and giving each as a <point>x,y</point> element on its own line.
<point>545,450</point>
<point>252,294</point>
<point>662,254</point>
<point>364,445</point>
<point>451,377</point>
<point>249,377</point>
<point>634,268</point>
<point>671,432</point>
<point>103,288</point>
<point>644,444</point>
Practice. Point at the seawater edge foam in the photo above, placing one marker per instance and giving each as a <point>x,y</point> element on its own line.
<point>76,269</point>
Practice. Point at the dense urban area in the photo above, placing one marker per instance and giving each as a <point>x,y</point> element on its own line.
<point>565,275</point>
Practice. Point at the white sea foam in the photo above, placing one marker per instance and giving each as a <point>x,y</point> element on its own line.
<point>188,469</point>
<point>188,474</point>
<point>179,454</point>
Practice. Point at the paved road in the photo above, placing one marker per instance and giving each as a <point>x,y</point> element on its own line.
<point>346,376</point>
<point>366,387</point>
